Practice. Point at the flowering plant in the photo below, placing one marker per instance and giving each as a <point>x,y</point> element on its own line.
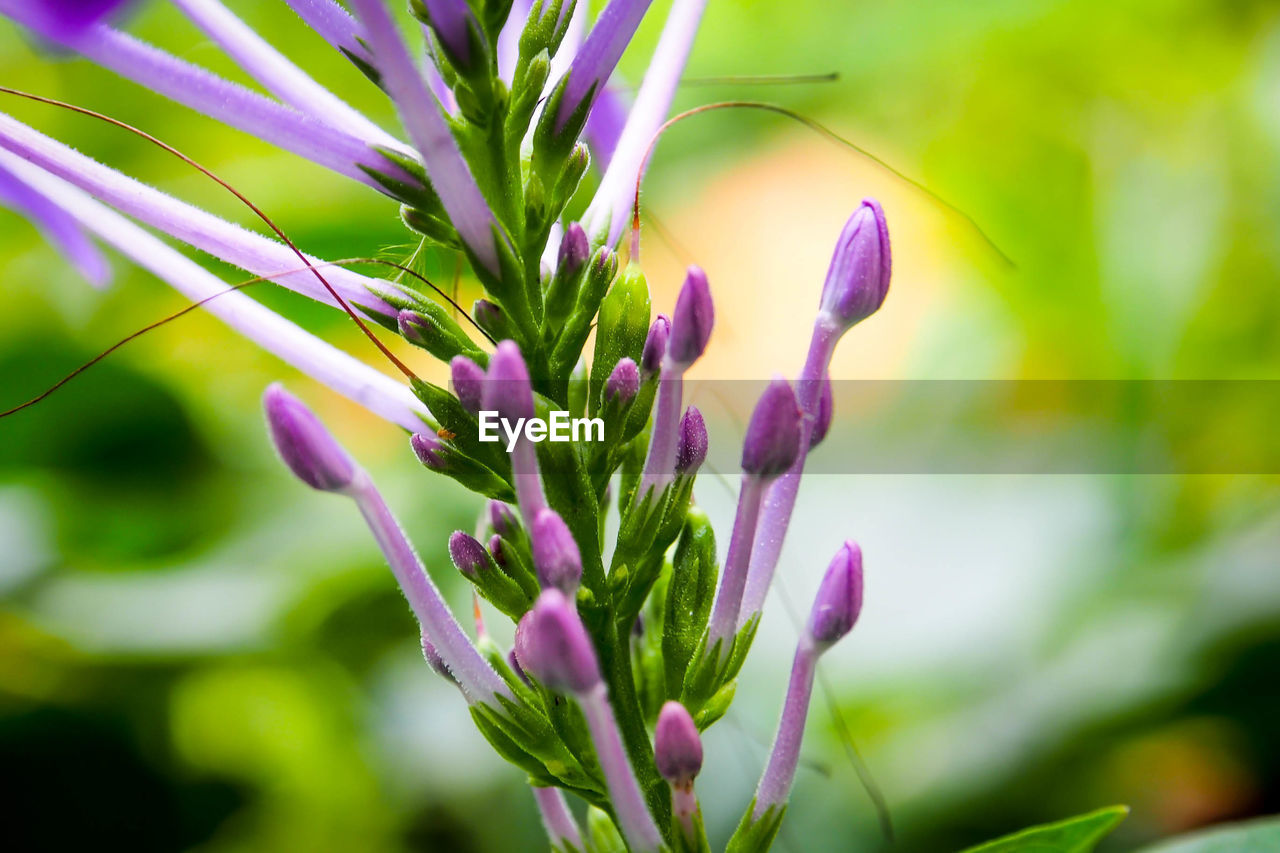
<point>625,651</point>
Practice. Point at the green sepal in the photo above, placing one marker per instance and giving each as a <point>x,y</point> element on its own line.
<point>366,69</point>
<point>417,194</point>
<point>622,328</point>
<point>527,84</point>
<point>441,335</point>
<point>602,833</point>
<point>506,284</point>
<point>554,141</point>
<point>475,68</point>
<point>578,393</point>
<point>471,473</point>
<point>647,650</point>
<point>756,836</point>
<point>561,297</point>
<point>711,669</point>
<point>526,726</point>
<point>437,229</point>
<point>698,843</point>
<point>500,589</point>
<point>689,596</point>
<point>601,270</point>
<point>519,564</point>
<point>447,411</point>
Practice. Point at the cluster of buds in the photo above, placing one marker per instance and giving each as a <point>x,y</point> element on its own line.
<point>624,652</point>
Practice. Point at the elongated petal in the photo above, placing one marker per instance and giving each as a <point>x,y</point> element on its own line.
<point>508,49</point>
<point>274,71</point>
<point>58,227</point>
<point>607,214</point>
<point>446,168</point>
<point>600,52</point>
<point>231,243</point>
<point>228,102</point>
<point>557,820</point>
<point>67,20</point>
<point>376,391</point>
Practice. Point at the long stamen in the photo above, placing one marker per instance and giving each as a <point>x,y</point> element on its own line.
<point>607,214</point>
<point>352,378</point>
<point>280,76</point>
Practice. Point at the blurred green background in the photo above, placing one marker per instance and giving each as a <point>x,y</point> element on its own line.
<point>196,652</point>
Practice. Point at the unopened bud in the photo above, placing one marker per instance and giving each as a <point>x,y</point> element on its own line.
<point>677,748</point>
<point>772,442</point>
<point>310,450</point>
<point>692,320</point>
<point>555,553</point>
<point>839,599</point>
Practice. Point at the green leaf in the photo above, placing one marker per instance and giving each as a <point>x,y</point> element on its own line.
<point>1256,836</point>
<point>1074,835</point>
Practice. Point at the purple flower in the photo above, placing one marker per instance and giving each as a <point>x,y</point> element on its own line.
<point>858,279</point>
<point>655,346</point>
<point>555,553</point>
<point>677,748</point>
<point>599,55</point>
<point>310,450</point>
<point>467,553</point>
<point>605,123</point>
<point>839,599</point>
<point>552,645</point>
<point>834,611</point>
<point>691,450</point>
<point>501,518</point>
<point>624,382</point>
<point>575,250</point>
<point>692,320</point>
<point>468,382</point>
<point>772,441</point>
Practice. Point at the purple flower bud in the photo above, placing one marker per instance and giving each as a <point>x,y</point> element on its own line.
<point>495,548</point>
<point>839,598</point>
<point>468,382</point>
<point>451,21</point>
<point>552,645</point>
<point>691,450</point>
<point>411,324</point>
<point>429,450</point>
<point>692,320</point>
<point>555,553</point>
<point>655,346</point>
<point>467,553</point>
<point>624,382</point>
<point>822,419</point>
<point>515,664</point>
<point>501,518</point>
<point>575,249</point>
<point>772,442</point>
<point>677,748</point>
<point>310,450</point>
<point>506,388</point>
<point>489,317</point>
<point>858,278</point>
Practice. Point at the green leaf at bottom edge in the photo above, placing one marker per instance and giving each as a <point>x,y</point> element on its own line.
<point>1073,835</point>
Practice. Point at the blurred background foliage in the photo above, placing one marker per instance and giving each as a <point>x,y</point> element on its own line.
<point>198,653</point>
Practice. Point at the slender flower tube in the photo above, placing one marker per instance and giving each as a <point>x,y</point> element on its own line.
<point>599,55</point>
<point>607,214</point>
<point>317,459</point>
<point>691,451</point>
<point>281,77</point>
<point>835,610</point>
<point>677,750</point>
<point>231,243</point>
<point>557,820</point>
<point>448,171</point>
<point>376,391</point>
<point>335,25</point>
<point>691,325</point>
<point>220,99</point>
<point>553,646</point>
<point>468,382</point>
<point>57,225</point>
<point>507,391</point>
<point>771,444</point>
<point>856,285</point>
<point>555,553</point>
